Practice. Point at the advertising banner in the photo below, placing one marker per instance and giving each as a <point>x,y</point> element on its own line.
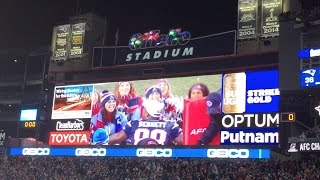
<point>176,44</point>
<point>75,138</point>
<point>271,10</point>
<point>72,102</point>
<point>304,147</point>
<point>70,124</point>
<point>145,152</point>
<point>247,19</point>
<point>60,42</point>
<point>251,92</point>
<point>77,40</point>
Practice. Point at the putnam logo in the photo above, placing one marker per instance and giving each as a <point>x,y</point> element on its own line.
<point>247,137</point>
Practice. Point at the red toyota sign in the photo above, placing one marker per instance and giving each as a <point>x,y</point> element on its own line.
<point>69,138</point>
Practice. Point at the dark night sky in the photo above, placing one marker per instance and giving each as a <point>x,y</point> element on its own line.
<point>26,24</point>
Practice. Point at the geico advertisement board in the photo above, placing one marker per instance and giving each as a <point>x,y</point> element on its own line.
<point>250,129</point>
<point>79,124</point>
<point>144,152</point>
<point>251,92</point>
<point>304,146</point>
<point>184,109</point>
<point>69,138</point>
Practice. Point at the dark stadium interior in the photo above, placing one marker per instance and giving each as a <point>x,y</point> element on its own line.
<point>31,69</point>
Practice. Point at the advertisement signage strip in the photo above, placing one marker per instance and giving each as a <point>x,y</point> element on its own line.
<point>271,10</point>
<point>70,124</point>
<point>77,40</point>
<point>60,42</point>
<point>144,152</point>
<point>247,19</point>
<point>304,147</point>
<point>71,102</point>
<point>259,120</point>
<point>250,136</point>
<point>69,138</point>
<point>208,46</point>
<point>251,92</point>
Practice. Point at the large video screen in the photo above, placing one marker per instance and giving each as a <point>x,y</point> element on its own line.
<point>185,111</point>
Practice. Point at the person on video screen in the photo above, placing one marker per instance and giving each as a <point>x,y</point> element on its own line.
<point>214,110</point>
<point>151,130</point>
<point>96,104</point>
<point>198,91</point>
<point>173,104</point>
<point>129,101</point>
<point>109,120</point>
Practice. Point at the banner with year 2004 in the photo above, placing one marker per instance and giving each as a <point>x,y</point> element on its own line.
<point>247,19</point>
<point>271,10</point>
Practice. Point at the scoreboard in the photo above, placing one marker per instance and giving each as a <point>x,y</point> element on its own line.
<point>310,67</point>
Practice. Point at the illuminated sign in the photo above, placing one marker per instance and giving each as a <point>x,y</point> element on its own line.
<point>158,152</point>
<point>250,120</point>
<point>310,77</point>
<point>251,92</point>
<point>152,47</point>
<point>70,124</point>
<point>145,152</point>
<point>318,109</point>
<point>153,39</point>
<point>247,19</point>
<point>36,151</point>
<point>69,138</point>
<point>28,115</point>
<point>288,117</point>
<point>90,152</point>
<point>228,153</point>
<point>250,129</point>
<point>308,53</point>
<point>29,124</point>
<point>271,10</point>
<point>72,102</point>
<point>304,147</point>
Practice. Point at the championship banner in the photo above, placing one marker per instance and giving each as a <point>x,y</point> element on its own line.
<point>60,42</point>
<point>154,46</point>
<point>271,9</point>
<point>77,40</point>
<point>247,19</point>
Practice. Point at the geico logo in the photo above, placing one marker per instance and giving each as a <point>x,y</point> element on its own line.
<point>69,138</point>
<point>154,152</point>
<point>249,137</point>
<point>197,131</point>
<point>228,153</point>
<point>91,152</point>
<point>250,120</point>
<point>36,151</point>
